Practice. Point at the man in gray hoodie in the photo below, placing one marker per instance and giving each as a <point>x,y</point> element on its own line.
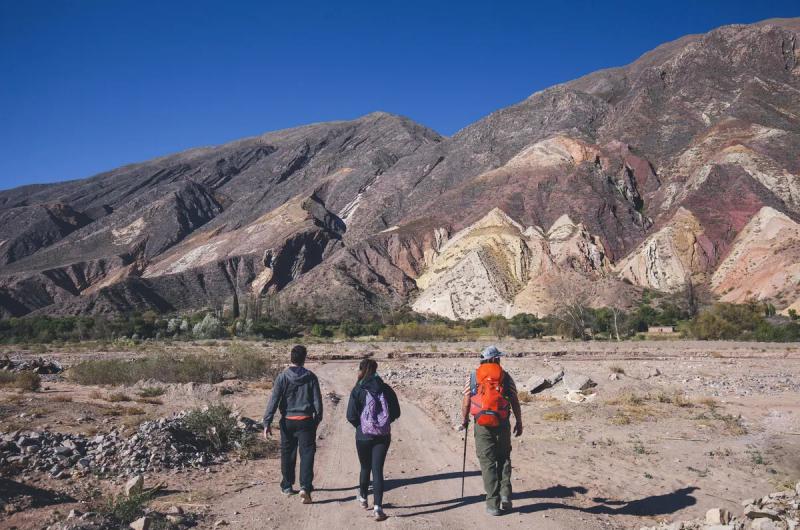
<point>296,394</point>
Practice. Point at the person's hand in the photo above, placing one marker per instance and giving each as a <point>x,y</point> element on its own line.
<point>464,425</point>
<point>518,429</point>
<point>267,432</point>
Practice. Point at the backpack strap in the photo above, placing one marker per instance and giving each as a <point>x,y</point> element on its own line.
<point>473,383</point>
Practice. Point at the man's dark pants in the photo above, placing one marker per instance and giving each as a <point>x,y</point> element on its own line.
<point>296,434</point>
<point>493,447</point>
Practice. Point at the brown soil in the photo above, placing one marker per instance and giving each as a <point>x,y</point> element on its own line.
<point>640,451</point>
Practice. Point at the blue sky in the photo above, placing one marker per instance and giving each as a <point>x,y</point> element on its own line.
<point>86,85</point>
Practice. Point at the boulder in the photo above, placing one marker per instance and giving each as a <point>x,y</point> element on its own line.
<point>653,372</point>
<point>142,523</point>
<point>536,384</point>
<point>134,485</point>
<point>753,512</point>
<point>578,382</point>
<point>718,516</point>
<point>763,523</point>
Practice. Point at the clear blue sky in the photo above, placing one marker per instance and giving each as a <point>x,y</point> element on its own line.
<point>88,85</point>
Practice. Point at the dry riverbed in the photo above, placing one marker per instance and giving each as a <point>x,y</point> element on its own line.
<point>668,431</point>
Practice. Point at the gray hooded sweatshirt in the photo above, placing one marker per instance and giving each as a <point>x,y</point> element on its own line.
<point>295,393</point>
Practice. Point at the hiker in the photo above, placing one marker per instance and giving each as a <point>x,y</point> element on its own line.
<point>488,395</point>
<point>296,393</point>
<point>372,408</point>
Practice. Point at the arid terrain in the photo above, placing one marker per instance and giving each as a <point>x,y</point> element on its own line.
<point>671,430</point>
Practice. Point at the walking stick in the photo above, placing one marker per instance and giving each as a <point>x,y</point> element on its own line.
<point>464,466</point>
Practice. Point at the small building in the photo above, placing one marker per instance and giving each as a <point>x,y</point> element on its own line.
<point>661,329</point>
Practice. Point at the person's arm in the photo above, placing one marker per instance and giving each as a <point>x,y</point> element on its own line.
<point>317,401</point>
<point>393,402</point>
<point>515,408</point>
<point>272,404</point>
<point>352,409</point>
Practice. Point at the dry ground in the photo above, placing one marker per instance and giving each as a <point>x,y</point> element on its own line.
<point>721,423</point>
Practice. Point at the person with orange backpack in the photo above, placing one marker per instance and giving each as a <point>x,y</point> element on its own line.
<point>490,395</point>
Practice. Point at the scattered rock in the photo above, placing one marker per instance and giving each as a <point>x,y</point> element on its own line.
<point>39,366</point>
<point>142,523</point>
<point>653,372</point>
<point>134,485</point>
<point>718,516</point>
<point>221,522</point>
<point>578,382</point>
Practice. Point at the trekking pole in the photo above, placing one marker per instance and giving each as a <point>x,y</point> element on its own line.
<point>464,466</point>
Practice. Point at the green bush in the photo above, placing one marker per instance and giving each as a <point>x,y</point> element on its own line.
<point>126,509</point>
<point>416,331</point>
<point>24,381</point>
<point>216,425</point>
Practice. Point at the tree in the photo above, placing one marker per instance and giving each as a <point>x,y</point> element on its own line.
<point>499,327</point>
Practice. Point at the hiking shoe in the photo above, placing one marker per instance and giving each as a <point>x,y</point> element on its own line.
<point>505,504</point>
<point>379,514</point>
<point>305,496</point>
<point>492,511</point>
<point>362,501</point>
<point>289,491</point>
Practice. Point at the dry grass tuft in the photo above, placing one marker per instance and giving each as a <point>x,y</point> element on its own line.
<point>557,415</point>
<point>617,370</point>
<point>524,396</point>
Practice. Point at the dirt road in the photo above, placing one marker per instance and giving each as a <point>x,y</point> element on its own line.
<point>423,472</point>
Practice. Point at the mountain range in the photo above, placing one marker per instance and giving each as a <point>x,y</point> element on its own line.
<point>681,169</point>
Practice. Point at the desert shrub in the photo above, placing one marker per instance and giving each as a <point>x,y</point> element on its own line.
<point>617,370</point>
<point>557,415</point>
<point>24,381</point>
<point>151,392</point>
<point>209,328</point>
<point>250,365</point>
<point>126,509</point>
<point>116,397</point>
<point>728,322</point>
<point>216,425</point>
<point>320,330</point>
<point>162,368</point>
<point>524,396</point>
<point>415,331</point>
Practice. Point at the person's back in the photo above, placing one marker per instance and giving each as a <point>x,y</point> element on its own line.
<point>372,408</point>
<point>490,394</point>
<point>297,395</point>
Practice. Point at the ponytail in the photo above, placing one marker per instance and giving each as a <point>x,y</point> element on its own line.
<point>366,368</point>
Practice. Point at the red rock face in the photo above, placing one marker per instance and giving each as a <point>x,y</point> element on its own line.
<point>708,123</point>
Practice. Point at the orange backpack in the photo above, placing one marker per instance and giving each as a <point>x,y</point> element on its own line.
<point>488,405</point>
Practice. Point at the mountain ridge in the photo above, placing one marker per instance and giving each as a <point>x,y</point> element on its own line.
<point>352,214</point>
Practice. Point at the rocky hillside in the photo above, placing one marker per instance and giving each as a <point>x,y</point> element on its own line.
<point>680,167</point>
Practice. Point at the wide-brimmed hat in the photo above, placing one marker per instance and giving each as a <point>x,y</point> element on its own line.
<point>491,352</point>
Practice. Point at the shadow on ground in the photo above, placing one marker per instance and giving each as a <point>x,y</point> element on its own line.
<point>32,497</point>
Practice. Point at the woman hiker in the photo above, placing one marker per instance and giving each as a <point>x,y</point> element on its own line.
<point>373,406</point>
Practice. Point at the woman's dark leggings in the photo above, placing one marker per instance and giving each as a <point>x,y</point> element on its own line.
<point>372,455</point>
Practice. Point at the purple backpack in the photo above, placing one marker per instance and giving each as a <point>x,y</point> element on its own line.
<point>375,416</point>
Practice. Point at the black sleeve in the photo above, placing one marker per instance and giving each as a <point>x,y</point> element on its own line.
<point>352,408</point>
<point>317,400</point>
<point>393,402</point>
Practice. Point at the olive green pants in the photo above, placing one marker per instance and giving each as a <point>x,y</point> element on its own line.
<point>493,446</point>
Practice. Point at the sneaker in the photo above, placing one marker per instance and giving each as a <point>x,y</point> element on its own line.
<point>505,504</point>
<point>379,514</point>
<point>362,501</point>
<point>305,496</point>
<point>492,511</point>
<point>288,491</point>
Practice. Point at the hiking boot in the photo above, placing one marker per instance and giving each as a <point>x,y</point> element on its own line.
<point>379,514</point>
<point>362,501</point>
<point>305,496</point>
<point>492,511</point>
<point>505,504</point>
<point>288,491</point>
